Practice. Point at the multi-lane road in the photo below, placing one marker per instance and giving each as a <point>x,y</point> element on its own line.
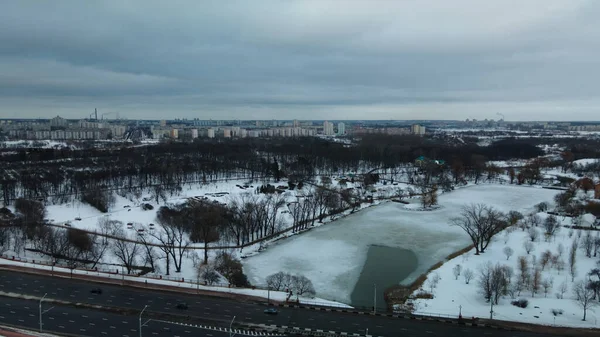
<point>85,322</point>
<point>217,311</point>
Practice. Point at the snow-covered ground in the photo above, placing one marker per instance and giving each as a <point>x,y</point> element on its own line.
<point>332,256</point>
<point>586,161</point>
<point>451,293</point>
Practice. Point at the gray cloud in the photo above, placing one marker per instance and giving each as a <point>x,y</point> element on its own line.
<point>301,59</point>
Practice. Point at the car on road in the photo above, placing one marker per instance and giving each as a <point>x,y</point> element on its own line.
<point>271,311</point>
<point>96,291</point>
<point>182,306</point>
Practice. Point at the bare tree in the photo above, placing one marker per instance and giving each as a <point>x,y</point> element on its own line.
<point>468,275</point>
<point>493,281</point>
<point>481,223</point>
<point>276,281</point>
<point>205,220</point>
<point>173,234</point>
<point>533,234</point>
<point>535,281</point>
<point>573,260</point>
<point>126,249</point>
<point>551,226</point>
<point>584,297</point>
<point>562,289</point>
<point>545,259</point>
<point>208,274</point>
<point>547,285</point>
<point>456,270</point>
<point>588,244</point>
<point>560,250</point>
<point>528,246</point>
<point>524,275</point>
<point>533,220</point>
<point>513,217</point>
<point>508,252</point>
<point>303,286</point>
<point>150,255</point>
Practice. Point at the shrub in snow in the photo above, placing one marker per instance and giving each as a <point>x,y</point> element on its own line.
<point>551,226</point>
<point>508,252</point>
<point>468,275</point>
<point>102,200</point>
<point>521,303</point>
<point>147,207</point>
<point>528,246</point>
<point>557,312</point>
<point>210,276</point>
<point>542,207</point>
<point>533,234</point>
<point>456,270</point>
<point>562,289</point>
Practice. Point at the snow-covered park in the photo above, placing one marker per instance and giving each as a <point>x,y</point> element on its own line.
<point>333,256</point>
<point>554,304</point>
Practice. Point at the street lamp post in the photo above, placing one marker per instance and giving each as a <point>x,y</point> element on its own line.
<point>146,306</point>
<point>231,334</point>
<point>374,298</point>
<point>41,299</point>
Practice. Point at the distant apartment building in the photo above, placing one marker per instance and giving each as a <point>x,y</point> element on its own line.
<point>210,133</point>
<point>174,133</point>
<point>328,128</point>
<point>85,124</point>
<point>194,133</point>
<point>387,131</point>
<point>584,128</point>
<point>117,131</point>
<point>417,129</point>
<point>341,129</point>
<point>227,133</point>
<point>58,122</point>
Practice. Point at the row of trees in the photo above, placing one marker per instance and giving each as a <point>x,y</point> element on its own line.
<point>66,174</point>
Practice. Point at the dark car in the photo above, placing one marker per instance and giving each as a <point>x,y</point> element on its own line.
<point>271,311</point>
<point>181,306</point>
<point>96,291</point>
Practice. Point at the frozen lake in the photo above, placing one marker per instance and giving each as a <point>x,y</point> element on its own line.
<point>334,255</point>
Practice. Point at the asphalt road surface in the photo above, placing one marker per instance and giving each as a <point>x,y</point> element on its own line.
<point>85,322</point>
<point>213,308</point>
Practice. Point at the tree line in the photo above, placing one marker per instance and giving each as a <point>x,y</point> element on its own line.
<point>60,175</point>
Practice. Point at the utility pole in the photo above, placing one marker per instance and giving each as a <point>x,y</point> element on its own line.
<point>491,308</point>
<point>141,325</point>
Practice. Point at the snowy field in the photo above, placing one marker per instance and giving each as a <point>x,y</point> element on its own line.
<point>451,293</point>
<point>332,256</point>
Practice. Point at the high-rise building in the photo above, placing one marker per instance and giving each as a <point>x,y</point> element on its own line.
<point>341,129</point>
<point>328,128</point>
<point>210,133</point>
<point>417,129</point>
<point>194,133</point>
<point>58,121</point>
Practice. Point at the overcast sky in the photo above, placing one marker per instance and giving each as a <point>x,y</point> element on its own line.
<point>285,59</point>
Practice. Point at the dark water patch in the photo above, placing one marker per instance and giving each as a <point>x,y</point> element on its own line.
<point>383,268</point>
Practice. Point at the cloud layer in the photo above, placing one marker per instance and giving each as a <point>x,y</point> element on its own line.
<point>324,59</point>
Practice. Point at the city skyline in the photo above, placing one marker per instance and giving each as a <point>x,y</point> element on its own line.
<point>322,60</point>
